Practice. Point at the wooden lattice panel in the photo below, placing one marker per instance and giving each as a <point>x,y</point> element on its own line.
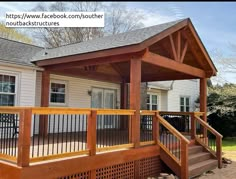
<point>83,175</point>
<point>149,167</point>
<point>122,171</point>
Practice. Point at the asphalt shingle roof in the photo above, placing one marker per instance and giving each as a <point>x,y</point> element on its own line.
<point>17,52</point>
<point>103,43</point>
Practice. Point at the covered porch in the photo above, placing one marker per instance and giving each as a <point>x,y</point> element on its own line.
<point>53,141</point>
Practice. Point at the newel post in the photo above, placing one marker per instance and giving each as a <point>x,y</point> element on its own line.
<point>193,126</point>
<point>184,160</point>
<point>91,137</point>
<point>155,127</point>
<point>23,158</point>
<point>219,151</point>
<point>203,101</point>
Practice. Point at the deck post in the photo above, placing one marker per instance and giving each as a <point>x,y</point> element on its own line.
<point>193,126</point>
<point>43,122</point>
<point>92,132</point>
<point>219,151</point>
<point>203,101</point>
<point>135,87</point>
<point>135,84</point>
<point>155,128</point>
<point>184,161</point>
<point>23,157</point>
<point>91,137</point>
<point>123,104</point>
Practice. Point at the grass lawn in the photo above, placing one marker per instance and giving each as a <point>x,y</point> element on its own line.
<point>229,144</point>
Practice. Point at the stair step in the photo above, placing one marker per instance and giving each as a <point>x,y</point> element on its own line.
<point>198,157</point>
<point>195,149</point>
<point>201,167</point>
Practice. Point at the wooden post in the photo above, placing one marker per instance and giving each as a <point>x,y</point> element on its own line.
<point>92,132</point>
<point>23,157</point>
<point>219,151</point>
<point>123,95</point>
<point>91,137</point>
<point>184,161</point>
<point>43,122</point>
<point>155,128</point>
<point>123,105</point>
<point>193,126</point>
<point>203,101</point>
<point>135,85</point>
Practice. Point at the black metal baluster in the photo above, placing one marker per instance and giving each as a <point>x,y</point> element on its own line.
<point>49,128</point>
<point>33,136</point>
<point>62,133</point>
<point>74,131</point>
<point>38,138</point>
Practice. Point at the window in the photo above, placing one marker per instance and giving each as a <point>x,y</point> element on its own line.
<point>184,104</point>
<point>7,90</point>
<point>58,92</point>
<point>152,102</point>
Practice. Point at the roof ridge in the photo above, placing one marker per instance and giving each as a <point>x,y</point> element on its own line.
<point>15,41</point>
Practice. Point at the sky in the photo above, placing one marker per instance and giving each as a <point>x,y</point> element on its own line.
<point>215,23</point>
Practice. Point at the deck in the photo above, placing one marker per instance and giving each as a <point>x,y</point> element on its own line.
<point>91,137</point>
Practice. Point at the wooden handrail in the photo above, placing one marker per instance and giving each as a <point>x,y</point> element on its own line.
<point>206,125</point>
<point>175,113</point>
<point>173,130</point>
<point>148,112</point>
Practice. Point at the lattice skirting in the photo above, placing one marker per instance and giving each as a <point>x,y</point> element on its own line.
<point>147,167</point>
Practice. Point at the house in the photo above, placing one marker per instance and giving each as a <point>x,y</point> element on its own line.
<point>90,98</point>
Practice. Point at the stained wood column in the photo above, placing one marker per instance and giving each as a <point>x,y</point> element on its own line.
<point>135,84</point>
<point>203,100</point>
<point>123,95</point>
<point>43,123</point>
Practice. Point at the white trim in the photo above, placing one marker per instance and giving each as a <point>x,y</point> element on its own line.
<point>17,76</point>
<point>66,92</point>
<point>158,99</point>
<point>185,96</point>
<point>15,65</point>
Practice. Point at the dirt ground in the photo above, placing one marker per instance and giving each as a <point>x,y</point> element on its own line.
<point>227,172</point>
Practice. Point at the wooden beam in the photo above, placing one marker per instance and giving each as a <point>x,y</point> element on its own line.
<point>94,61</point>
<point>117,69</point>
<point>165,62</point>
<point>184,51</point>
<point>173,47</point>
<point>135,85</point>
<point>178,46</point>
<point>43,121</point>
<point>202,47</point>
<point>89,75</point>
<point>166,77</point>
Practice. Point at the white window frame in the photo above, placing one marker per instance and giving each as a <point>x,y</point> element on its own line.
<point>150,100</point>
<point>17,90</point>
<point>185,103</point>
<point>66,92</point>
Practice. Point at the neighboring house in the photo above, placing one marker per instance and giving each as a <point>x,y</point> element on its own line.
<point>20,85</point>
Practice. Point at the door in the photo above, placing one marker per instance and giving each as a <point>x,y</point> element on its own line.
<point>104,98</point>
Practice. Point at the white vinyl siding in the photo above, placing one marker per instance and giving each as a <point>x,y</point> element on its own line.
<point>188,88</point>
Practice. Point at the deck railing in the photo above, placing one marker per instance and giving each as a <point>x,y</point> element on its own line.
<point>208,137</point>
<point>181,121</point>
<point>41,133</point>
<point>173,143</point>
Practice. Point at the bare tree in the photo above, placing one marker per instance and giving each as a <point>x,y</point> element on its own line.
<point>117,19</point>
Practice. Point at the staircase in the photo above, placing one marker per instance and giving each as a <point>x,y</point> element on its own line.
<point>200,161</point>
<point>188,158</point>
